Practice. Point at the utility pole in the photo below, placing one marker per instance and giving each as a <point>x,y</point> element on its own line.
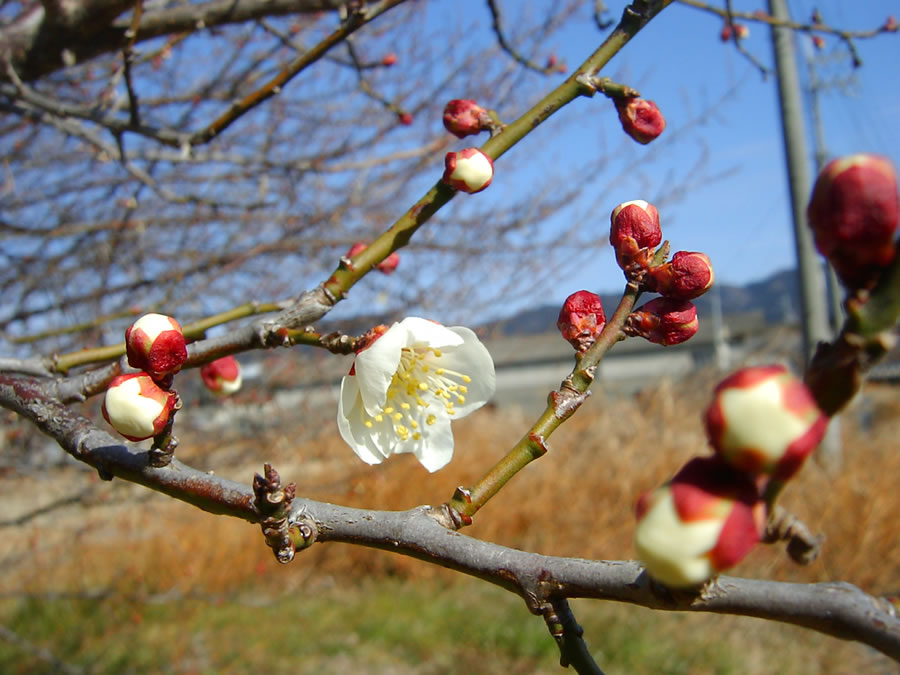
<point>813,314</point>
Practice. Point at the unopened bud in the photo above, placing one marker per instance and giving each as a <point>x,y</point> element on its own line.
<point>663,321</point>
<point>634,232</point>
<point>818,42</point>
<point>581,319</point>
<point>686,276</point>
<point>741,31</point>
<point>704,521</point>
<point>854,213</point>
<point>891,24</point>
<point>155,344</point>
<point>640,119</point>
<point>405,118</point>
<point>389,59</point>
<point>137,407</point>
<point>468,170</point>
<point>464,117</point>
<point>386,266</point>
<point>764,420</point>
<point>222,376</point>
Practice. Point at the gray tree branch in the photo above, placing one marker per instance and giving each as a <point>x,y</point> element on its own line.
<point>837,609</point>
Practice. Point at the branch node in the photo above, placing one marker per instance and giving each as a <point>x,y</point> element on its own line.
<point>273,502</point>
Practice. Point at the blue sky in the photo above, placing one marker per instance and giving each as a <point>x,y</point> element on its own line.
<point>743,221</point>
<point>737,209</point>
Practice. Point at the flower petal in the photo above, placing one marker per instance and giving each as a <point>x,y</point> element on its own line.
<point>435,450</point>
<point>471,358</point>
<point>350,418</point>
<point>428,332</point>
<point>376,365</point>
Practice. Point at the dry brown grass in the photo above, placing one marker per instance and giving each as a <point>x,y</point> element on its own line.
<point>576,501</point>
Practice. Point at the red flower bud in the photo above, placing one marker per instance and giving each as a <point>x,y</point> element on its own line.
<point>634,231</point>
<point>726,33</point>
<point>222,376</point>
<point>386,266</point>
<point>155,344</point>
<point>891,24</point>
<point>818,41</point>
<point>136,407</point>
<point>854,214</point>
<point>581,319</point>
<point>405,118</point>
<point>741,31</point>
<point>686,276</point>
<point>389,59</point>
<point>464,117</point>
<point>705,520</point>
<point>764,420</point>
<point>468,170</point>
<point>640,119</point>
<point>663,321</point>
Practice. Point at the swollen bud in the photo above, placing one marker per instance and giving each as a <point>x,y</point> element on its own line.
<point>640,119</point>
<point>137,407</point>
<point>854,214</point>
<point>581,319</point>
<point>464,117</point>
<point>663,321</point>
<point>468,170</point>
<point>764,420</point>
<point>389,59</point>
<point>222,376</point>
<point>405,118</point>
<point>686,276</point>
<point>155,344</point>
<point>634,232</point>
<point>705,520</point>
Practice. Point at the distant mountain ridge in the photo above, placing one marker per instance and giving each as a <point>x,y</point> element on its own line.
<point>776,297</point>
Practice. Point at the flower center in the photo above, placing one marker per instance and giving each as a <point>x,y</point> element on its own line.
<point>420,375</point>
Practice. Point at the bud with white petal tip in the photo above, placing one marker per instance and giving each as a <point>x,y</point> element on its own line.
<point>155,344</point>
<point>222,376</point>
<point>137,407</point>
<point>704,521</point>
<point>663,321</point>
<point>634,232</point>
<point>764,420</point>
<point>468,170</point>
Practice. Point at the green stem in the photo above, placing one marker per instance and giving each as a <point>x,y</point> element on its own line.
<point>65,362</point>
<point>465,503</point>
<point>635,17</point>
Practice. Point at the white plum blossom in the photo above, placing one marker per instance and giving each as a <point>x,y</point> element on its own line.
<point>406,387</point>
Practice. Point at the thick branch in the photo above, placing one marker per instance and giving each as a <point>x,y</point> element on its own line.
<point>837,609</point>
<point>39,43</point>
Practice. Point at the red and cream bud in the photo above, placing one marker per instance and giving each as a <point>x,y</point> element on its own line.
<point>764,420</point>
<point>155,344</point>
<point>818,42</point>
<point>664,321</point>
<point>704,521</point>
<point>741,31</point>
<point>686,276</point>
<point>854,213</point>
<point>222,376</point>
<point>634,232</point>
<point>137,407</point>
<point>468,170</point>
<point>640,119</point>
<point>464,117</point>
<point>581,319</point>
